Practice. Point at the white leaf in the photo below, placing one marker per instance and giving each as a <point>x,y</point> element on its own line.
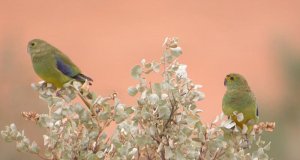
<point>133,151</point>
<point>46,140</point>
<point>143,61</point>
<point>161,145</point>
<point>165,41</point>
<point>164,96</point>
<point>229,124</point>
<point>181,71</point>
<point>120,108</point>
<point>153,98</point>
<point>152,130</point>
<point>240,117</point>
<point>268,146</point>
<point>216,120</point>
<point>168,152</point>
<point>245,129</point>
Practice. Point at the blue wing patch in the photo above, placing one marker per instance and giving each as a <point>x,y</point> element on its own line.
<point>63,67</point>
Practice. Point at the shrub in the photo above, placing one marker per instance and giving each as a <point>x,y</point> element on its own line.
<point>164,123</point>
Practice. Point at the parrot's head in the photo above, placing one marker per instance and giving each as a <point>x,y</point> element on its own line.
<point>36,47</point>
<point>235,81</point>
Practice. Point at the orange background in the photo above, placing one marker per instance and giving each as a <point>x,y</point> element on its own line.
<point>107,38</point>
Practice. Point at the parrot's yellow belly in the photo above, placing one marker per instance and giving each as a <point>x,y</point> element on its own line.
<point>50,74</point>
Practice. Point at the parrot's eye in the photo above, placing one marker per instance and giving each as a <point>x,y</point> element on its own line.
<point>32,44</point>
<point>232,78</point>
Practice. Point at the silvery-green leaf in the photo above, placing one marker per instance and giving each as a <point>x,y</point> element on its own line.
<point>157,87</point>
<point>129,110</point>
<point>181,71</point>
<point>93,134</point>
<point>191,120</point>
<point>168,57</point>
<point>164,96</point>
<point>19,136</point>
<point>197,139</point>
<point>21,146</point>
<point>153,98</point>
<point>136,71</point>
<point>179,155</point>
<point>155,66</point>
<point>84,116</point>
<point>164,112</point>
<point>120,108</point>
<point>143,140</point>
<point>168,152</point>
<point>92,157</point>
<point>152,130</point>
<point>104,115</point>
<point>13,127</point>
<point>77,108</point>
<point>57,115</point>
<point>166,86</point>
<point>120,117</point>
<point>132,91</point>
<point>145,113</point>
<point>148,65</point>
<point>100,154</point>
<point>267,147</point>
<point>176,51</point>
<point>193,106</point>
<point>133,151</point>
<point>187,131</point>
<point>144,94</point>
<point>34,147</point>
<point>45,121</point>
<point>26,140</point>
<point>48,154</point>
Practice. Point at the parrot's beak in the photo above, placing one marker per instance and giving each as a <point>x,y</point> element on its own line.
<point>226,79</point>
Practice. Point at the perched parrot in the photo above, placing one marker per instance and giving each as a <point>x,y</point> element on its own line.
<point>239,98</point>
<point>52,65</point>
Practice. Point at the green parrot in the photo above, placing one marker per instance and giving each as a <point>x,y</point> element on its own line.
<point>239,98</point>
<point>52,65</point>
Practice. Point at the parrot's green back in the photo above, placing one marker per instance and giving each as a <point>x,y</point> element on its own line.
<point>240,98</point>
<point>52,65</point>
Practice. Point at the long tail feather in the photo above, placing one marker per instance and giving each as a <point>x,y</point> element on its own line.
<point>82,78</point>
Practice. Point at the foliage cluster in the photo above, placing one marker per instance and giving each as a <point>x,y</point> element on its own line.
<point>164,123</point>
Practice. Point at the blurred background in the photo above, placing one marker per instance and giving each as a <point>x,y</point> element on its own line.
<point>259,39</point>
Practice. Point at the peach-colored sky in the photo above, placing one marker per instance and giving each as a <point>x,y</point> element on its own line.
<point>106,38</point>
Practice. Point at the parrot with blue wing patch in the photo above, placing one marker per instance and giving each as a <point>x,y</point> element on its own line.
<point>52,65</point>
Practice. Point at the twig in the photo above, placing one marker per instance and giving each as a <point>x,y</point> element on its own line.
<point>203,148</point>
<point>218,154</point>
<point>173,110</point>
<point>99,135</point>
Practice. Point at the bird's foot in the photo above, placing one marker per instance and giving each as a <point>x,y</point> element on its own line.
<point>59,93</point>
<point>43,85</point>
<point>247,143</point>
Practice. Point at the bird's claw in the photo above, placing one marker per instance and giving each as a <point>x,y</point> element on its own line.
<point>44,85</point>
<point>59,93</point>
